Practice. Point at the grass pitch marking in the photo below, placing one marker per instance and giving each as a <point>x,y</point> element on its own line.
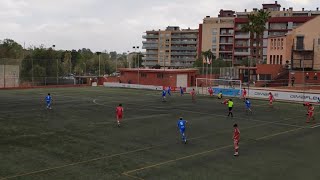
<point>203,153</point>
<point>114,155</point>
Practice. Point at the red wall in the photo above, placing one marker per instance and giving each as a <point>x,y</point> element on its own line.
<point>169,79</point>
<point>272,69</point>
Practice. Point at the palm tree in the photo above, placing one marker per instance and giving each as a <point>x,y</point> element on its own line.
<point>250,27</point>
<point>262,18</point>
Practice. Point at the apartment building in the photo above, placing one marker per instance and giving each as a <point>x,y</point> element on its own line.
<point>217,34</point>
<point>300,47</point>
<point>281,22</point>
<point>172,47</point>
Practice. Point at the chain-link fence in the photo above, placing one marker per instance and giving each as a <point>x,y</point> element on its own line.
<point>16,73</point>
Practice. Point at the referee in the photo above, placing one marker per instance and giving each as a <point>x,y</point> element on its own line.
<point>230,106</point>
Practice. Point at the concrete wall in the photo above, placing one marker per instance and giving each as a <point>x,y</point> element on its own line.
<point>9,76</point>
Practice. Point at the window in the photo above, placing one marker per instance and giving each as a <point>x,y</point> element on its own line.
<point>281,43</point>
<point>274,59</point>
<point>160,75</point>
<point>214,39</point>
<point>277,59</point>
<point>318,41</point>
<point>299,44</point>
<point>280,59</point>
<point>271,46</point>
<point>143,75</point>
<point>264,76</point>
<point>270,59</point>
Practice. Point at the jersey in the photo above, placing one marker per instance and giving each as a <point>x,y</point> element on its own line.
<point>311,109</point>
<point>236,134</point>
<point>230,104</point>
<point>164,93</point>
<point>193,93</point>
<point>248,103</point>
<point>119,110</point>
<point>48,99</point>
<point>271,97</point>
<point>169,89</point>
<point>182,124</point>
<point>181,90</point>
<point>220,95</point>
<point>244,93</point>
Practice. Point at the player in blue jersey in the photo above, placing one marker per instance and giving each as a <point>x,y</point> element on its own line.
<point>169,91</point>
<point>181,91</point>
<point>182,129</point>
<point>248,106</point>
<point>164,93</point>
<point>48,100</point>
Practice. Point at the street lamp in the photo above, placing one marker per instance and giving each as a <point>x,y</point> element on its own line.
<point>137,48</point>
<point>99,53</point>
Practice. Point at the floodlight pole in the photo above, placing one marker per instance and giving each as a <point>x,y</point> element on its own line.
<point>137,55</point>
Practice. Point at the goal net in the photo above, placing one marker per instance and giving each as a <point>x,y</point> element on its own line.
<point>231,88</point>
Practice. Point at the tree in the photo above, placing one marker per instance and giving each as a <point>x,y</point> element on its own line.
<point>137,60</point>
<point>256,27</point>
<point>66,65</point>
<point>10,49</point>
<point>262,18</point>
<point>250,27</point>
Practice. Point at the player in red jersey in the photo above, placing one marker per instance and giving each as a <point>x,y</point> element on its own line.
<point>244,94</point>
<point>271,99</point>
<point>119,113</point>
<point>310,113</point>
<point>306,104</point>
<point>225,102</point>
<point>193,95</point>
<point>236,139</point>
<point>210,90</point>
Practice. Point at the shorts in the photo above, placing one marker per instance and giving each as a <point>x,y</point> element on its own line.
<point>310,114</point>
<point>119,116</point>
<point>182,130</point>
<point>230,108</point>
<point>236,143</point>
<point>270,101</point>
<point>48,103</point>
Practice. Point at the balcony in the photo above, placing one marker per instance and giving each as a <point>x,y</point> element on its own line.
<point>241,45</point>
<point>184,42</point>
<point>150,42</point>
<point>226,34</point>
<point>242,53</point>
<point>183,48</point>
<point>242,36</point>
<point>151,53</point>
<point>184,53</point>
<point>225,50</point>
<point>226,42</point>
<point>278,26</point>
<point>184,36</point>
<point>150,63</point>
<point>183,59</point>
<point>149,46</point>
<point>149,36</point>
<point>149,58</point>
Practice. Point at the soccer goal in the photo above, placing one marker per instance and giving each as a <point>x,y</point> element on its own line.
<point>231,88</point>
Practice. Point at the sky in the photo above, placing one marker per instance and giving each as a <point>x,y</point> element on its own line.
<point>111,25</point>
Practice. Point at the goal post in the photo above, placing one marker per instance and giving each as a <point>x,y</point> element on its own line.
<point>230,88</point>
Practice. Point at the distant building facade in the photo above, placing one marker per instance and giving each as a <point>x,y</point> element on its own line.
<point>172,47</point>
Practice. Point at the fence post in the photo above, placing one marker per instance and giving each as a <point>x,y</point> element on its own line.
<point>4,76</point>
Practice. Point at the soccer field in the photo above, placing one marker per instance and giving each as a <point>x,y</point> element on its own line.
<point>79,138</point>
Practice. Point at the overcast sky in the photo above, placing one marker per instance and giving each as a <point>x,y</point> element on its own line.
<point>110,24</point>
